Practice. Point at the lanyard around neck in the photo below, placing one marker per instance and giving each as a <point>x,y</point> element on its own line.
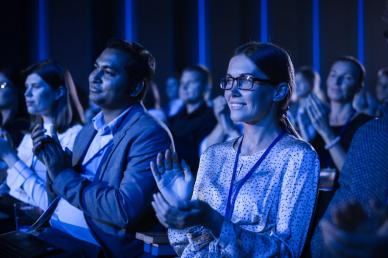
<point>232,199</point>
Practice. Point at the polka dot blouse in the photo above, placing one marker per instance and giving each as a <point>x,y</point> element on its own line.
<point>272,211</point>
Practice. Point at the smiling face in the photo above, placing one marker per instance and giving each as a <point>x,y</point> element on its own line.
<point>342,82</point>
<point>248,106</point>
<point>109,82</point>
<point>40,97</point>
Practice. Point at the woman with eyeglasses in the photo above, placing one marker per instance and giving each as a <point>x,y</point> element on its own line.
<point>254,195</point>
<point>51,99</point>
<point>14,120</point>
<point>13,114</point>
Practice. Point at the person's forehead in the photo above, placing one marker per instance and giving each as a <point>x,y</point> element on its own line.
<point>113,58</point>
<point>241,64</point>
<point>344,67</point>
<point>191,75</point>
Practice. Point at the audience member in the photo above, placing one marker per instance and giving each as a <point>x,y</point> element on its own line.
<point>336,127</point>
<point>254,196</point>
<point>50,95</point>
<point>363,178</point>
<point>306,82</point>
<point>174,103</point>
<point>382,90</point>
<point>13,114</point>
<point>106,193</point>
<point>196,120</point>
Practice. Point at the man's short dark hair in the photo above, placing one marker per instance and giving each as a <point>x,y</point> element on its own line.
<point>202,71</point>
<point>141,64</point>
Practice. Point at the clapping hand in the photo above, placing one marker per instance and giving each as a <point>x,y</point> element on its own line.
<point>319,116</point>
<point>173,179</point>
<point>194,213</point>
<point>49,151</point>
<point>352,234</point>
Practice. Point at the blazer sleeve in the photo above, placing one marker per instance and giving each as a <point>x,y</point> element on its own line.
<point>123,205</point>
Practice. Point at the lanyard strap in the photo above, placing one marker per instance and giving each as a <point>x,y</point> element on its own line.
<point>232,200</point>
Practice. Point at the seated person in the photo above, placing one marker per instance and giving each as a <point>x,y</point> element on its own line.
<point>105,194</point>
<point>195,120</point>
<point>364,176</point>
<point>50,96</point>
<point>306,82</point>
<point>13,116</point>
<point>254,195</point>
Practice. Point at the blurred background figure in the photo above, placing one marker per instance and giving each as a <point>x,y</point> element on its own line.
<point>382,90</point>
<point>174,103</point>
<point>14,119</point>
<point>225,129</point>
<point>13,114</point>
<point>364,102</point>
<point>307,82</point>
<point>152,102</point>
<point>195,120</point>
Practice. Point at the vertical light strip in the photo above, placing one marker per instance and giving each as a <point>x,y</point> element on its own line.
<point>202,50</point>
<point>128,20</point>
<point>42,31</point>
<point>316,37</point>
<point>361,31</point>
<point>264,20</point>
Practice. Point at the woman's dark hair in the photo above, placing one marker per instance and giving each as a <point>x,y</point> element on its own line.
<point>277,65</point>
<point>67,109</point>
<point>141,64</point>
<point>203,72</point>
<point>359,67</point>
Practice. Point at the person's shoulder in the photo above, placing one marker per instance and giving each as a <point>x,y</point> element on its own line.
<point>293,144</point>
<point>220,148</point>
<point>376,127</point>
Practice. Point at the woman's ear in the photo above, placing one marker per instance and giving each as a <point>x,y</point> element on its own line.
<point>60,92</point>
<point>138,89</point>
<point>281,92</point>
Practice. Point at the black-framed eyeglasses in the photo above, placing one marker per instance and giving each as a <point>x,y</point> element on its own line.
<point>244,82</point>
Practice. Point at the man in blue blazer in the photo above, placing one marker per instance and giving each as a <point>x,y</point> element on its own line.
<point>106,193</point>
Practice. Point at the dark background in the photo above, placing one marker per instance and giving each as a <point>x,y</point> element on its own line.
<point>77,31</point>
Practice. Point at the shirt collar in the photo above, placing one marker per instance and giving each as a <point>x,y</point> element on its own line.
<point>110,128</point>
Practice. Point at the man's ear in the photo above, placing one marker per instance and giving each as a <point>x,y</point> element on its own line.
<point>281,92</point>
<point>138,89</point>
<point>60,92</point>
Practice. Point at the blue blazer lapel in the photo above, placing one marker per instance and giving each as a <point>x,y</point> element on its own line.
<point>82,143</point>
<point>128,122</point>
